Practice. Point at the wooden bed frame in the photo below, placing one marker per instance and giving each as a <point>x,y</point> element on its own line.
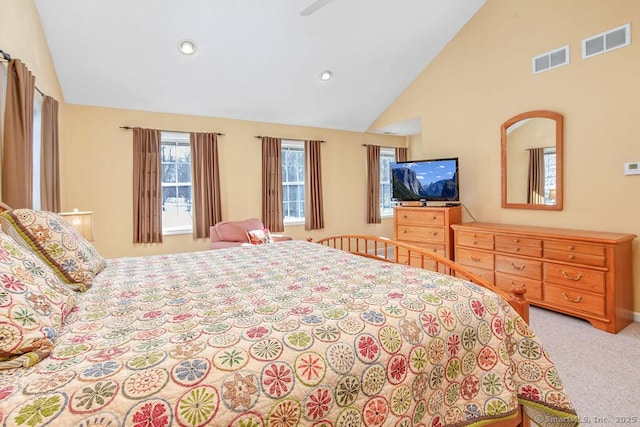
<point>384,249</point>
<point>388,250</point>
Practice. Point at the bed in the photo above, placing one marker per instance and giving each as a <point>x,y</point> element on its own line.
<point>287,334</point>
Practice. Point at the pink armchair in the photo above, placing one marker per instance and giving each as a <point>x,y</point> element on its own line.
<point>227,234</point>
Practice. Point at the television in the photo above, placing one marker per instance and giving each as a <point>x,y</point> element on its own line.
<point>434,180</point>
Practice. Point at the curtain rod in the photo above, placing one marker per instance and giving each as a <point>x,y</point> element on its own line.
<point>290,139</point>
<point>383,146</point>
<point>7,57</point>
<point>168,130</point>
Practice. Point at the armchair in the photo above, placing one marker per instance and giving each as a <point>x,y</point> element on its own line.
<point>227,234</point>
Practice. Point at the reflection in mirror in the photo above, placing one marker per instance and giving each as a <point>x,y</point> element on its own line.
<point>532,161</point>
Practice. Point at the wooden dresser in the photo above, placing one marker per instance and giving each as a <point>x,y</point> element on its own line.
<point>586,274</point>
<point>426,227</point>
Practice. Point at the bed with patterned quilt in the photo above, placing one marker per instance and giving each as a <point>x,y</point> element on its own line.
<point>286,334</point>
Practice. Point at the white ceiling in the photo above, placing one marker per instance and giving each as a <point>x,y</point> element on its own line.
<point>256,60</point>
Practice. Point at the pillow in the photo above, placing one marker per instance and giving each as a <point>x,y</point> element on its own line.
<point>236,231</point>
<point>260,236</point>
<point>33,304</point>
<point>57,243</point>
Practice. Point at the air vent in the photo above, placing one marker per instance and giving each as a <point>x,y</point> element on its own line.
<point>547,61</point>
<point>609,40</point>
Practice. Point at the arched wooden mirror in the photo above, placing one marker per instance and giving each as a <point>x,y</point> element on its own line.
<point>531,153</point>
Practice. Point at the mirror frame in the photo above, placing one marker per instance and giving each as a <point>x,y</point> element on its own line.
<point>559,158</point>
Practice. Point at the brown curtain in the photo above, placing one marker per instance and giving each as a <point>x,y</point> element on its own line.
<point>50,169</point>
<point>373,185</point>
<point>147,190</point>
<point>314,217</point>
<point>401,154</point>
<point>272,184</point>
<point>17,149</point>
<point>205,206</point>
<point>535,193</point>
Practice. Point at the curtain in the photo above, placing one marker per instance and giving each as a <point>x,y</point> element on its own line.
<point>272,184</point>
<point>314,218</point>
<point>205,206</point>
<point>3,75</point>
<point>535,193</point>
<point>401,154</point>
<point>50,169</point>
<point>373,185</point>
<point>147,190</point>
<point>17,149</point>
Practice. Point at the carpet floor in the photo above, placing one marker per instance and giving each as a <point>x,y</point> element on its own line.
<point>600,371</point>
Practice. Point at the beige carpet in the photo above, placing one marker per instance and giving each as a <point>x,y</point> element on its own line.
<point>600,371</point>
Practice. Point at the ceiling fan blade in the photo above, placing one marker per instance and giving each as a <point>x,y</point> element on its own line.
<point>314,7</point>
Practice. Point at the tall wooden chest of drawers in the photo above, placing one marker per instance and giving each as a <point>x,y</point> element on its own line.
<point>426,227</point>
<point>586,274</point>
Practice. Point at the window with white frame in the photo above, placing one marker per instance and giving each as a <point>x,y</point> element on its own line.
<point>36,153</point>
<point>293,177</point>
<point>387,156</point>
<point>550,175</point>
<point>176,183</point>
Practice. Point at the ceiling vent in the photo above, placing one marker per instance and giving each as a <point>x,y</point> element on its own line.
<point>547,61</point>
<point>609,40</point>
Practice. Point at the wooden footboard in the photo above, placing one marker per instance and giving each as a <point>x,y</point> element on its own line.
<point>389,250</point>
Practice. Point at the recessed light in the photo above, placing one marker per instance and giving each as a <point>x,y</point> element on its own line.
<point>187,47</point>
<point>326,75</point>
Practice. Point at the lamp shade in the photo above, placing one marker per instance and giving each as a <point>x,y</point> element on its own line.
<point>81,221</point>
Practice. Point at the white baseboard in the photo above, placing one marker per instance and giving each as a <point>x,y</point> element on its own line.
<point>636,316</point>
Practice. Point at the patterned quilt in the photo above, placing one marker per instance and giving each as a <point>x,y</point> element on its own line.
<point>286,334</point>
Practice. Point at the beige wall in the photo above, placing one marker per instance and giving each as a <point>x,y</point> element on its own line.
<point>98,168</point>
<point>483,77</point>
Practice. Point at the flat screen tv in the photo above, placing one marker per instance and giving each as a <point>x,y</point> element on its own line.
<point>426,181</point>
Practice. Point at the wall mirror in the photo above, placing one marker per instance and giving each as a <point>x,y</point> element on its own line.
<point>531,156</point>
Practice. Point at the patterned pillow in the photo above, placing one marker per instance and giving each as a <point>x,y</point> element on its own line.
<point>259,237</point>
<point>57,243</point>
<point>33,304</point>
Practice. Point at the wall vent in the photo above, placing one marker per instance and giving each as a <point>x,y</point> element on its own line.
<point>547,61</point>
<point>609,40</point>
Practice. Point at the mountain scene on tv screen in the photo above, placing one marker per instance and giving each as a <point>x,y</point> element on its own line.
<point>407,186</point>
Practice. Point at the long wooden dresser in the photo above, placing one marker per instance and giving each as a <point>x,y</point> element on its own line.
<point>426,227</point>
<point>586,274</point>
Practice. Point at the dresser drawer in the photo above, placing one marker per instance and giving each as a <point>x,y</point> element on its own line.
<point>411,233</point>
<point>574,252</point>
<point>434,248</point>
<point>574,300</point>
<point>527,268</point>
<point>575,277</point>
<point>420,217</point>
<point>482,273</point>
<point>418,261</point>
<point>519,245</point>
<point>533,287</point>
<point>474,240</point>
<point>472,258</point>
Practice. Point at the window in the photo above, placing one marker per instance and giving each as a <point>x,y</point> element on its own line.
<point>36,153</point>
<point>176,183</point>
<point>293,175</point>
<point>387,156</point>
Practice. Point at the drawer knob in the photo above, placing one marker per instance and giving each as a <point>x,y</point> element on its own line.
<point>434,217</point>
<point>516,240</point>
<point>574,278</point>
<point>571,247</point>
<point>472,258</point>
<point>572,256</point>
<point>517,249</point>
<point>435,233</point>
<point>518,267</point>
<point>564,295</point>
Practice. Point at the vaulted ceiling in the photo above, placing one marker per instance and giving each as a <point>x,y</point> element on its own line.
<point>257,60</point>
